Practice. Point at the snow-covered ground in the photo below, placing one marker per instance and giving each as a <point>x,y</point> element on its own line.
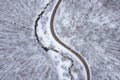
<point>65,67</point>
<point>91,27</point>
<point>21,57</point>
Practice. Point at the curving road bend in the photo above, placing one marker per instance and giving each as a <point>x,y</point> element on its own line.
<point>63,44</point>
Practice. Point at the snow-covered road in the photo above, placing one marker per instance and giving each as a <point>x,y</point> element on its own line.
<point>63,44</point>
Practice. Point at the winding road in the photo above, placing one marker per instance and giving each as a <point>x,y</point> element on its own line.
<point>63,44</point>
